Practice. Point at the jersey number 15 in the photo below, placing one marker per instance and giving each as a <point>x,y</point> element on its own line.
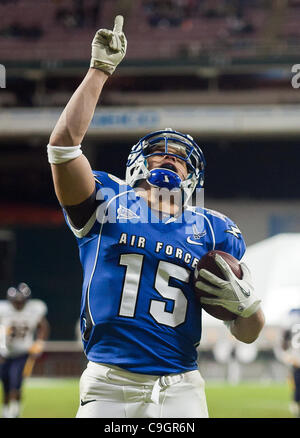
<point>157,309</point>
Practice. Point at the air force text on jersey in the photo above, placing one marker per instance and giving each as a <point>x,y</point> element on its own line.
<point>160,247</point>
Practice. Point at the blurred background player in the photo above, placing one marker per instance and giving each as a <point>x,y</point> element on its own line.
<point>23,330</point>
<point>141,339</point>
<point>290,355</point>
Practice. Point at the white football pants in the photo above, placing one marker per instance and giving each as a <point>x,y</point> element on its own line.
<point>110,392</point>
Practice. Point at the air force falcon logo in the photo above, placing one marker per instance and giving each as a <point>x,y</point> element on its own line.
<point>235,231</point>
<point>125,213</point>
<point>197,236</point>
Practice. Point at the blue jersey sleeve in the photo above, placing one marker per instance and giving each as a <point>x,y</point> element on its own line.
<point>107,188</point>
<point>227,235</point>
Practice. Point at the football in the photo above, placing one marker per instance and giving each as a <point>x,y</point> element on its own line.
<point>208,262</point>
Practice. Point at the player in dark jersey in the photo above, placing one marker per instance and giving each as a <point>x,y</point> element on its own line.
<point>139,242</point>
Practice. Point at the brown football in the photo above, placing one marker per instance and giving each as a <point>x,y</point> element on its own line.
<point>208,262</point>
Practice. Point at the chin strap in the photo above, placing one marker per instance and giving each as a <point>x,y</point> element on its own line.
<point>164,178</point>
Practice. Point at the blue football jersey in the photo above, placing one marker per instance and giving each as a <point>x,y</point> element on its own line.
<point>138,307</point>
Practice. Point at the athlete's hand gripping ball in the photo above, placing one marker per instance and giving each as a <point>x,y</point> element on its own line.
<point>109,47</point>
<point>234,294</point>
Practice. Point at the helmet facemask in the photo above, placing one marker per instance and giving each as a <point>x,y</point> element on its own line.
<point>158,143</point>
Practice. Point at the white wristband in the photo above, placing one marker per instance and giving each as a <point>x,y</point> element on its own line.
<point>62,154</point>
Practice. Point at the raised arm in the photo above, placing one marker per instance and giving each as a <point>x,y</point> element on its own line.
<point>73,179</point>
<point>71,171</point>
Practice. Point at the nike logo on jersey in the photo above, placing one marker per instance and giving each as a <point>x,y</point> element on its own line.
<point>189,240</point>
<point>125,213</point>
<point>82,403</point>
<point>197,236</point>
<point>235,231</point>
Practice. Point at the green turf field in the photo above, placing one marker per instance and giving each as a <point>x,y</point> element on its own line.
<point>58,398</point>
<point>249,400</point>
<point>50,398</point>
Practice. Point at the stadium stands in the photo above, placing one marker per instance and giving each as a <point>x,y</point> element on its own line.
<point>53,30</point>
<point>45,46</point>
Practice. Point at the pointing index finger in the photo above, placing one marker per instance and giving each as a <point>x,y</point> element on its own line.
<point>118,26</point>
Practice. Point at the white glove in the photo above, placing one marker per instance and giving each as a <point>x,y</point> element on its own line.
<point>234,294</point>
<point>109,47</point>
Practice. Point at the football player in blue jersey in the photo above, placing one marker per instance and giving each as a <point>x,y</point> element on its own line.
<point>140,321</point>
